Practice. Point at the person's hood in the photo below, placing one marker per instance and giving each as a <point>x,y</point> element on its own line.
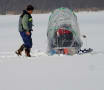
<point>24,12</point>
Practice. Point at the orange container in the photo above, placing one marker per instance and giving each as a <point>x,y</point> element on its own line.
<point>66,51</point>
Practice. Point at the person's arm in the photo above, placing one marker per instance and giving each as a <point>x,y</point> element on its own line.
<point>25,23</point>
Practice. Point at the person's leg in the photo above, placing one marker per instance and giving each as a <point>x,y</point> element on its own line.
<point>19,51</point>
<point>27,43</point>
<point>27,52</point>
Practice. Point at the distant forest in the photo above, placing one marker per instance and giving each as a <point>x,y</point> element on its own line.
<point>16,6</point>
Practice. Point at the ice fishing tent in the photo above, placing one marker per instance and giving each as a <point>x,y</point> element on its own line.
<point>66,20</point>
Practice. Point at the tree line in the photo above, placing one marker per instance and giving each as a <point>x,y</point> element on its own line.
<point>16,6</point>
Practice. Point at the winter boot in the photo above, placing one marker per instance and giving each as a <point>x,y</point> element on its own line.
<point>27,52</point>
<point>19,51</point>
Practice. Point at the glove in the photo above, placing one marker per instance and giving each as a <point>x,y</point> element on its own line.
<point>28,33</point>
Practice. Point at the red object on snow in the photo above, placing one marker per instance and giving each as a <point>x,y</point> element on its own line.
<point>66,51</point>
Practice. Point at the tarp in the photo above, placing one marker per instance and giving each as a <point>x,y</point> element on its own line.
<point>63,17</point>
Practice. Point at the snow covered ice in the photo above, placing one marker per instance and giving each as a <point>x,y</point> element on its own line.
<point>42,72</point>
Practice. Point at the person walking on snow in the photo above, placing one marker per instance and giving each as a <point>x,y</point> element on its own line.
<point>25,28</point>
